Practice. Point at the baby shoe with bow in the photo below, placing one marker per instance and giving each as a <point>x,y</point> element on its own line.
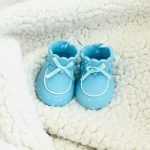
<point>55,83</point>
<point>95,84</point>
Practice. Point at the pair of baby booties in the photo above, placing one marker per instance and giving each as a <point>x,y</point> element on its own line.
<point>94,87</point>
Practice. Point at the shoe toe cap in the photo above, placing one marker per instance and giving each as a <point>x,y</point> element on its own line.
<point>94,102</point>
<point>52,99</point>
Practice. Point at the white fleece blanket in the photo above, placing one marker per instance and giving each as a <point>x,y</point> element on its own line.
<point>124,124</point>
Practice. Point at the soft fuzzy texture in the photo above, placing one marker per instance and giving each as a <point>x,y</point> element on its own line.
<point>125,123</point>
<point>19,122</point>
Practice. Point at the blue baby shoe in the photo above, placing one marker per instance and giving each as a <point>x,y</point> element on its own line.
<point>55,83</point>
<point>95,84</point>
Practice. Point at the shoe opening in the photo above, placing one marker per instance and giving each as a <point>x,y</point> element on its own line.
<point>96,52</point>
<point>63,48</point>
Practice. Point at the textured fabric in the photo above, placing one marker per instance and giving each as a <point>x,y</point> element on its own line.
<point>125,123</point>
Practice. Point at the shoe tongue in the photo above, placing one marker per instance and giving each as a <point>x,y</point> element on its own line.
<point>91,62</point>
<point>94,63</point>
<point>63,60</point>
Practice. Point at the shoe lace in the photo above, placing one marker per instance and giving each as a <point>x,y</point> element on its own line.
<point>57,70</point>
<point>60,68</point>
<point>90,70</point>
